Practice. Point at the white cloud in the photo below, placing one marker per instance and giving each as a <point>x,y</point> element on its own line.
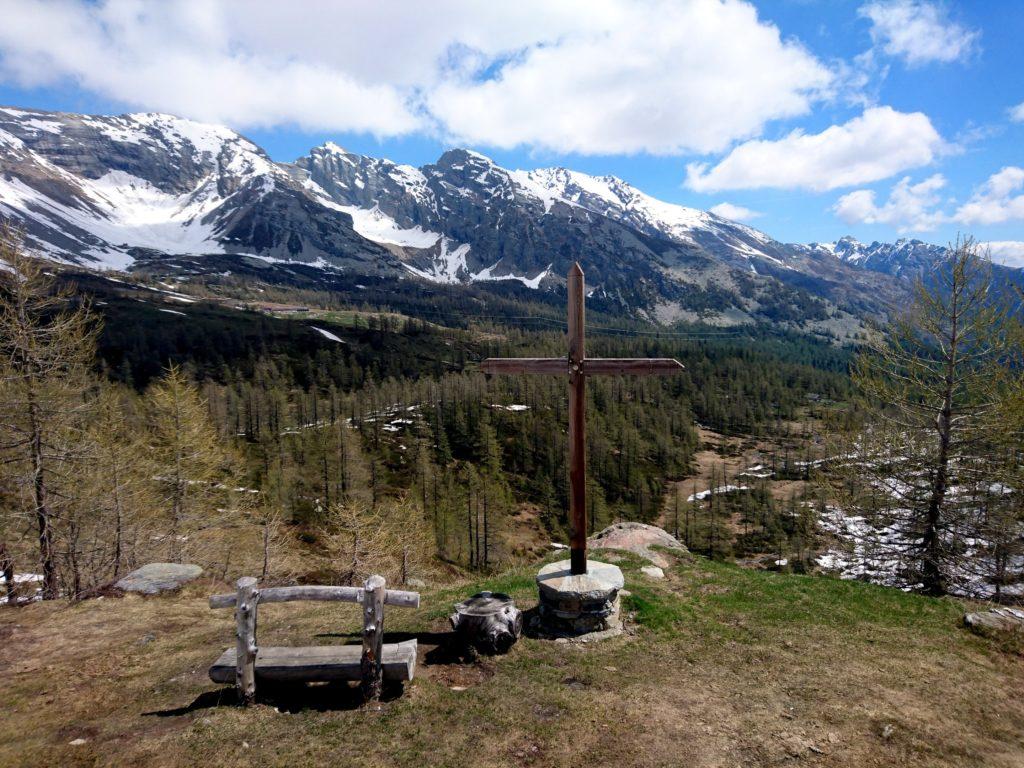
<point>918,31</point>
<point>1008,252</point>
<point>1017,113</point>
<point>734,212</point>
<point>999,199</point>
<point>910,207</point>
<point>880,143</point>
<point>589,76</point>
<point>654,76</point>
<point>183,57</point>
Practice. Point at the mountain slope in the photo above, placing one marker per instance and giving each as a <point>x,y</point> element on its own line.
<point>150,191</point>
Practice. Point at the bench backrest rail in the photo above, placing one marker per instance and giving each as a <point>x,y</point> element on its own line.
<point>394,597</point>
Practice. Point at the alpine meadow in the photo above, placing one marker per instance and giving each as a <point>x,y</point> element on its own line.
<point>461,328</point>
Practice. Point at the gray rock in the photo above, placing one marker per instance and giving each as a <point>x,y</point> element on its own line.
<point>416,583</point>
<point>637,538</point>
<point>653,572</point>
<point>159,577</point>
<point>996,620</point>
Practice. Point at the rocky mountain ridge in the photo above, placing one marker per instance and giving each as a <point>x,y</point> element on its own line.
<point>172,194</point>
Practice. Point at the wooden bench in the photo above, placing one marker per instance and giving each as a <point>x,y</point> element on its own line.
<point>371,664</point>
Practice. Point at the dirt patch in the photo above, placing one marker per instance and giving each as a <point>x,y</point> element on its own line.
<point>460,676</point>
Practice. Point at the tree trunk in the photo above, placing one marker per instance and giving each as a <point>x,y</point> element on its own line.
<point>490,622</point>
<point>7,569</point>
<point>931,570</point>
<point>39,498</point>
<point>118,523</point>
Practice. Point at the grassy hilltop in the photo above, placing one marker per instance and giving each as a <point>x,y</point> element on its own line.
<point>723,667</point>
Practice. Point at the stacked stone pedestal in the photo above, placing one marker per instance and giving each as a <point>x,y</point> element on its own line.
<point>573,605</point>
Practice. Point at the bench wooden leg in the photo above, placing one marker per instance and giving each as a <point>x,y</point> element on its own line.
<point>245,635</point>
<point>373,637</point>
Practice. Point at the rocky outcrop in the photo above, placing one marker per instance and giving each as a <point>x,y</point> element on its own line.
<point>996,620</point>
<point>639,539</point>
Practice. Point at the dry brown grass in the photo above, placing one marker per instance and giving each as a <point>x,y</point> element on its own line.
<point>725,667</point>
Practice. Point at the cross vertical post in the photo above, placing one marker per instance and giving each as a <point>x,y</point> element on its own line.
<point>579,366</point>
<point>577,426</point>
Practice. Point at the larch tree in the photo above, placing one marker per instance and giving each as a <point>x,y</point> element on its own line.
<point>47,345</point>
<point>189,460</point>
<point>936,378</point>
<point>120,481</point>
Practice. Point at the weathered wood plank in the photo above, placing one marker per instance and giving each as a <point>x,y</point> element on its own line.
<point>320,663</point>
<point>577,425</point>
<point>247,601</point>
<point>546,365</point>
<point>373,637</point>
<point>394,597</point>
<point>612,366</point>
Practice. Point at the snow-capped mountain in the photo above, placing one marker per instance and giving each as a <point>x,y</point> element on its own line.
<point>107,191</point>
<point>902,258</point>
<point>162,193</point>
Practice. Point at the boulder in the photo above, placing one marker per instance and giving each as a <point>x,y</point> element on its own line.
<point>637,538</point>
<point>996,620</point>
<point>159,577</point>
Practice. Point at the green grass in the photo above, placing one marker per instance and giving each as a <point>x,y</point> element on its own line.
<point>719,666</point>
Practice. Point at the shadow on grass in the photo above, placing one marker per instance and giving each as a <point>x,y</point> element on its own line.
<point>437,648</point>
<point>291,698</point>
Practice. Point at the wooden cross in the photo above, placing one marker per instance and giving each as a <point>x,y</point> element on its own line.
<point>578,366</point>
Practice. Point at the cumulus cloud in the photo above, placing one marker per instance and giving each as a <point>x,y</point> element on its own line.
<point>734,212</point>
<point>918,31</point>
<point>588,76</point>
<point>1017,113</point>
<point>654,76</point>
<point>880,143</point>
<point>182,57</point>
<point>1008,252</point>
<point>999,199</point>
<point>910,207</point>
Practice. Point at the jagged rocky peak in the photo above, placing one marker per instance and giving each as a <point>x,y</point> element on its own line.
<point>903,257</point>
<point>172,154</point>
<point>349,178</point>
<point>470,171</point>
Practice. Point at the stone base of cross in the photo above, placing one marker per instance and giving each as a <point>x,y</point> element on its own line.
<point>577,366</point>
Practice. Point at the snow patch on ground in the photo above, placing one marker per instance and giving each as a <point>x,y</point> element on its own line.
<point>328,335</point>
<point>700,496</point>
<point>447,267</point>
<point>21,579</point>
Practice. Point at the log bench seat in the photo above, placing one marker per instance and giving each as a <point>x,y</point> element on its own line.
<point>318,663</point>
<point>371,663</point>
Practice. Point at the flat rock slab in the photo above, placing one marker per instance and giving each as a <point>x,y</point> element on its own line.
<point>637,538</point>
<point>557,582</point>
<point>997,619</point>
<point>159,577</point>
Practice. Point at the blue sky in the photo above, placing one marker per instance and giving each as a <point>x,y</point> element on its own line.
<point>809,119</point>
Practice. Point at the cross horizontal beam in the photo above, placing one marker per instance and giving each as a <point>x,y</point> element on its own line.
<point>592,366</point>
